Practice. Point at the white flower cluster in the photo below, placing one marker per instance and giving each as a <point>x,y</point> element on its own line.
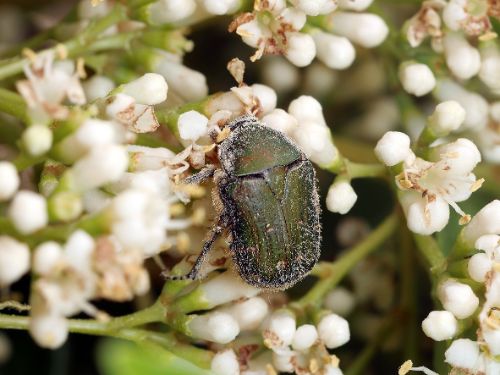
<point>275,28</point>
<point>460,302</point>
<point>428,187</point>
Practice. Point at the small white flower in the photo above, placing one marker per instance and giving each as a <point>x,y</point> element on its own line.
<point>215,326</point>
<point>367,30</point>
<point>462,59</point>
<point>424,217</point>
<point>37,139</point>
<point>249,314</point>
<point>49,330</point>
<point>46,256</point>
<point>447,117</point>
<point>225,363</point>
<point>306,108</point>
<point>334,331</point>
<point>336,52</point>
<point>28,212</point>
<point>462,353</point>
<point>393,148</point>
<point>149,89</point>
<point>481,263</point>
<point>102,165</point>
<point>340,301</point>
<point>167,11</point>
<point>315,140</point>
<point>486,221</point>
<point>458,298</point>
<point>9,180</point>
<point>417,79</point>
<point>440,325</point>
<point>14,260</point>
<point>341,197</point>
<point>305,336</point>
<point>97,87</point>
<point>192,125</point>
<point>144,158</point>
<point>279,330</point>
<point>226,287</point>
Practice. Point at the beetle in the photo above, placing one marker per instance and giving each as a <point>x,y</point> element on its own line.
<point>269,203</point>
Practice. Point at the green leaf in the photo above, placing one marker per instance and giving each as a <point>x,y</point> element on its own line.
<point>117,357</point>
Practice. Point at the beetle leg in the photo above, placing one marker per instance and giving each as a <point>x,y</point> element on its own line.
<point>202,175</point>
<point>193,274</point>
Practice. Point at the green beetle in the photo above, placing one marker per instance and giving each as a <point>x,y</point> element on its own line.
<point>270,205</point>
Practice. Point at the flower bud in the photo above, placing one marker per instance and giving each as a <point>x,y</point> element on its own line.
<point>393,148</point>
<point>458,298</point>
<point>367,30</point>
<point>248,314</point>
<point>305,336</point>
<point>281,327</point>
<point>168,11</point>
<point>478,267</point>
<point>417,79</point>
<point>280,120</point>
<point>341,197</point>
<point>300,50</point>
<point>440,325</point>
<point>149,89</point>
<point>306,108</point>
<point>192,125</point>
<point>267,97</point>
<point>14,260</point>
<point>486,221</point>
<point>462,59</point>
<point>315,7</point>
<point>102,165</point>
<point>220,7</point>
<point>462,353</point>
<point>225,288</point>
<point>9,180</point>
<point>334,331</point>
<point>280,74</point>
<point>49,330</point>
<point>357,5</point>
<point>37,139</point>
<point>336,52</point>
<point>490,67</point>
<point>454,15</point>
<point>225,363</point>
<point>447,117</point>
<point>46,256</point>
<point>283,360</point>
<point>188,84</point>
<point>340,301</point>
<point>28,212</point>
<point>97,87</point>
<point>216,326</point>
<point>315,140</point>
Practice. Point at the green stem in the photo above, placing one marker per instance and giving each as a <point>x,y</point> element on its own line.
<point>429,248</point>
<point>197,356</point>
<point>357,170</point>
<point>12,103</point>
<point>79,44</point>
<point>341,267</point>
